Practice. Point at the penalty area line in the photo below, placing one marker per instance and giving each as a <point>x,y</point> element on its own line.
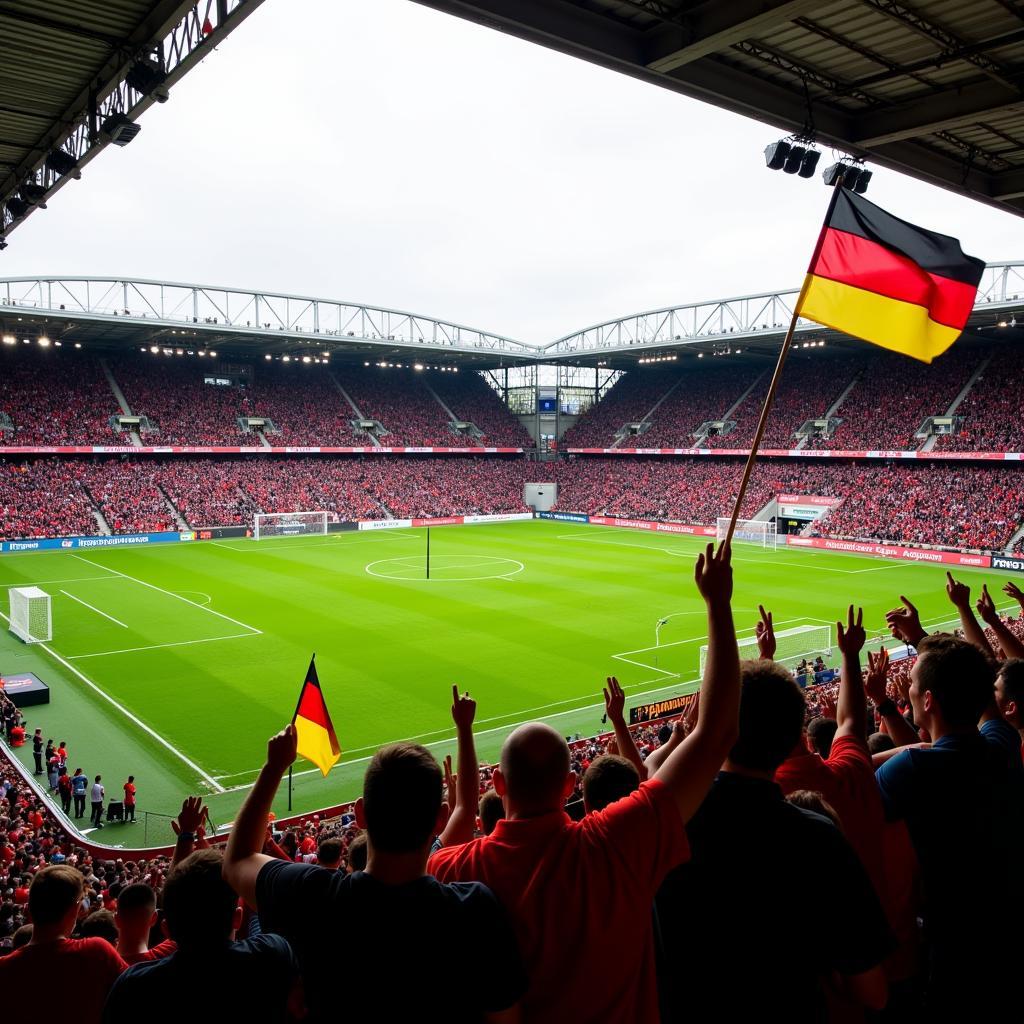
<point>209,779</point>
<point>85,604</point>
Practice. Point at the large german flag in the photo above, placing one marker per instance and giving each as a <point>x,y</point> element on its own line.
<point>878,278</point>
<point>316,739</point>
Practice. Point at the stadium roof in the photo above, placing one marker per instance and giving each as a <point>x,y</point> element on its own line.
<point>244,324</point>
<point>933,88</point>
<point>64,81</point>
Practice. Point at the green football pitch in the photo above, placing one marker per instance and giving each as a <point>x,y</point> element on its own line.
<point>175,663</point>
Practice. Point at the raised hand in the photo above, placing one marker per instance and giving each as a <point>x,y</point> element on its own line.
<point>959,594</point>
<point>713,574</point>
<point>191,816</point>
<point>689,720</point>
<point>987,608</point>
<point>765,632</point>
<point>902,685</point>
<point>614,701</point>
<point>612,746</point>
<point>877,677</point>
<point>282,749</point>
<point>463,709</point>
<point>1012,590</point>
<point>851,638</point>
<point>826,705</point>
<point>450,783</point>
<point>905,623</point>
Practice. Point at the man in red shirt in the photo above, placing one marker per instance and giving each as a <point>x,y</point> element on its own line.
<point>580,893</point>
<point>846,778</point>
<point>129,799</point>
<point>85,969</point>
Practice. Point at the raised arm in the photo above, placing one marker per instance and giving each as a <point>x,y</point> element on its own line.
<point>875,687</point>
<point>1012,590</point>
<point>186,827</point>
<point>959,595</point>
<point>615,708</point>
<point>242,858</point>
<point>765,632</point>
<point>690,769</point>
<point>1009,643</point>
<point>905,623</point>
<point>462,820</point>
<point>851,708</point>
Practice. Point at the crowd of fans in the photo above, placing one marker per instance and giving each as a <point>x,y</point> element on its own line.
<point>528,886</point>
<point>474,401</point>
<point>54,397</point>
<point>937,504</point>
<point>181,409</point>
<point>303,403</point>
<point>991,409</point>
<point>703,395</point>
<point>398,399</point>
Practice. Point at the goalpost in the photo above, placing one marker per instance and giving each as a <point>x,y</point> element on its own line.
<point>289,524</point>
<point>793,645</point>
<point>31,620</point>
<point>752,531</point>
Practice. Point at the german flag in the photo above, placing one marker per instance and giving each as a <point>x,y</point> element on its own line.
<point>317,741</point>
<point>878,278</point>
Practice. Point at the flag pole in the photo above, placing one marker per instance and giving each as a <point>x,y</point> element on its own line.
<point>428,552</point>
<point>787,343</point>
<point>289,789</point>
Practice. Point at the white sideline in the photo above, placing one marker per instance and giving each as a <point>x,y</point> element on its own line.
<point>96,610</point>
<point>156,647</point>
<point>178,597</point>
<point>124,711</point>
<point>50,583</point>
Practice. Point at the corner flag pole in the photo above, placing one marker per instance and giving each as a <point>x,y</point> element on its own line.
<point>787,343</point>
<point>428,552</point>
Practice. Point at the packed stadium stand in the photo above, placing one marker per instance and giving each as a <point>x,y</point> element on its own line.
<point>54,397</point>
<point>474,401</point>
<point>302,401</point>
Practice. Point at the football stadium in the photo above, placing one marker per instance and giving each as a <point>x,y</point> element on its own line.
<point>312,608</point>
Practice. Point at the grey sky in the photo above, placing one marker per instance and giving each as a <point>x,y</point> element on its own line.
<point>385,153</point>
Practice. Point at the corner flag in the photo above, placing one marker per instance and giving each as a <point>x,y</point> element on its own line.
<point>888,282</point>
<point>317,741</point>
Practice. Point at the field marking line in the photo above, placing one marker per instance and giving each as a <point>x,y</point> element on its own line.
<point>451,739</point>
<point>49,583</point>
<point>86,604</point>
<point>209,600</point>
<point>689,554</point>
<point>368,569</point>
<point>153,586</point>
<point>250,546</point>
<point>155,647</point>
<point>124,711</point>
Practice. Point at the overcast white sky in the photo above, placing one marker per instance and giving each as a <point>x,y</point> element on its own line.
<point>388,154</point>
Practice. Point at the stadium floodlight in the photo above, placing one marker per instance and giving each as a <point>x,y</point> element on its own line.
<point>147,76</point>
<point>809,164</point>
<point>16,207</point>
<point>794,160</point>
<point>776,154</point>
<point>61,162</point>
<point>44,341</point>
<point>119,129</point>
<point>33,193</point>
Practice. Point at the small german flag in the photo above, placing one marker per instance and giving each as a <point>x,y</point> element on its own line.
<point>317,741</point>
<point>888,282</point>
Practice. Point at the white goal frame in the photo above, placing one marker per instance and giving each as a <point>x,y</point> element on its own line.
<point>31,619</point>
<point>792,645</point>
<point>752,531</point>
<point>289,524</point>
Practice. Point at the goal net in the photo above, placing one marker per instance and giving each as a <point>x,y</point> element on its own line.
<point>30,614</point>
<point>289,524</point>
<point>751,531</point>
<point>793,645</point>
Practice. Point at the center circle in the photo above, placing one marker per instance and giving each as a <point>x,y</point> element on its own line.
<point>445,568</point>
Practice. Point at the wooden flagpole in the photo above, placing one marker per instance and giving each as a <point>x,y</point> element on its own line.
<point>773,387</point>
<point>763,422</point>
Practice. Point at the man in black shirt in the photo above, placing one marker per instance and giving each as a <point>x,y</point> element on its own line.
<point>253,980</point>
<point>391,931</point>
<point>737,945</point>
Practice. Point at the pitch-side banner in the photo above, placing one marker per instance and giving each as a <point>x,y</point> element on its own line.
<point>894,551</point>
<point>644,524</point>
